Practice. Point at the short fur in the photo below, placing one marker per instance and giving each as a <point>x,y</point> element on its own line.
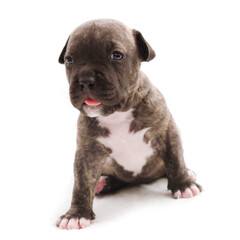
<point>119,86</point>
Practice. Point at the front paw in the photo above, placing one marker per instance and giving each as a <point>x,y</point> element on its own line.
<point>75,219</point>
<point>185,186</point>
<point>72,223</point>
<point>189,192</point>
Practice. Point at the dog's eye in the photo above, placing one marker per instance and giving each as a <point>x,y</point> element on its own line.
<point>116,55</point>
<point>69,60</point>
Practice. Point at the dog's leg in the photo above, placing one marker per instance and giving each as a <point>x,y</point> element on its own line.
<point>109,184</point>
<point>181,181</point>
<point>87,171</point>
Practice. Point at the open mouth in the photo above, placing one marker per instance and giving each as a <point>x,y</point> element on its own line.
<point>92,102</point>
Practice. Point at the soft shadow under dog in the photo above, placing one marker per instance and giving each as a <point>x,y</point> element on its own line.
<point>110,206</point>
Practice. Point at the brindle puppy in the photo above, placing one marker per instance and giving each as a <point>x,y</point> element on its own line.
<point>126,134</point>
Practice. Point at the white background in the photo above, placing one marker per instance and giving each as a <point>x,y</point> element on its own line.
<point>197,68</point>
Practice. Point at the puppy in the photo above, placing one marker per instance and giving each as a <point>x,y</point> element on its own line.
<point>126,134</point>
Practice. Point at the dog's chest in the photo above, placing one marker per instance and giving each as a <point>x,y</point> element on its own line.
<point>128,149</point>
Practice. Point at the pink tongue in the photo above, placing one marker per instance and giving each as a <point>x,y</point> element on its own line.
<point>92,102</point>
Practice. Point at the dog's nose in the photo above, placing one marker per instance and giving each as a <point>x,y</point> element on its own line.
<point>87,82</point>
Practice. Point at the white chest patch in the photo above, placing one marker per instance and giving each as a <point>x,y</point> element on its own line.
<point>128,149</point>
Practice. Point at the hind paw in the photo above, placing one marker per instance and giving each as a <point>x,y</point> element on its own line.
<point>101,184</point>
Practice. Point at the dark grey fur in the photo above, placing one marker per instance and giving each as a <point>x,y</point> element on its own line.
<point>119,86</point>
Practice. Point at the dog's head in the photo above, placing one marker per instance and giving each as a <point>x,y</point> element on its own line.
<point>102,59</point>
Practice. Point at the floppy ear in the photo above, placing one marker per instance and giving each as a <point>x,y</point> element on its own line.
<point>62,55</point>
<point>145,51</point>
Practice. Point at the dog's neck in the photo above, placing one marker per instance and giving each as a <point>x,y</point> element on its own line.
<point>138,92</point>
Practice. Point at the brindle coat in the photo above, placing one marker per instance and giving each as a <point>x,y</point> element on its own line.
<point>119,86</point>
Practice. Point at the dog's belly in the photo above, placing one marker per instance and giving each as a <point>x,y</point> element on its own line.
<point>129,150</point>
